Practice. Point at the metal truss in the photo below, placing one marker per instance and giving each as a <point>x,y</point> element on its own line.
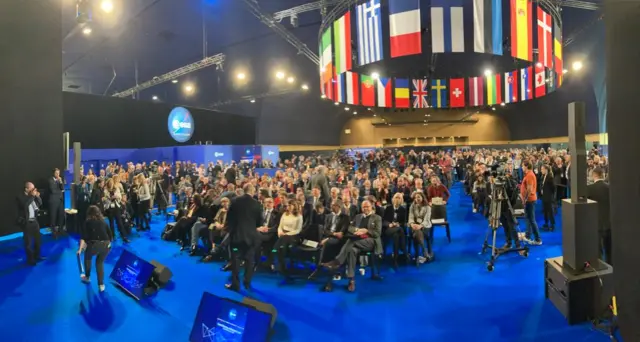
<point>312,6</point>
<point>268,20</point>
<point>586,5</point>
<point>171,75</point>
<point>242,99</point>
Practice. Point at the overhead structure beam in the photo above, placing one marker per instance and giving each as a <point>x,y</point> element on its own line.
<point>312,6</point>
<point>171,75</point>
<point>268,20</point>
<point>242,99</point>
<point>586,5</point>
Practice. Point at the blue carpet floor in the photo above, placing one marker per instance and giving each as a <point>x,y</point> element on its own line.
<point>452,299</point>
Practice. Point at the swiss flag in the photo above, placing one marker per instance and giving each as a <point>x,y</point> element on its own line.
<point>456,92</point>
<point>541,81</point>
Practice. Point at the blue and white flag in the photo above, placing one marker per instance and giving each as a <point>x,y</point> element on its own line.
<point>369,32</point>
<point>447,26</point>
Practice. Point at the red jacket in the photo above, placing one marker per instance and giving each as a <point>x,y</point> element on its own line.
<point>438,191</point>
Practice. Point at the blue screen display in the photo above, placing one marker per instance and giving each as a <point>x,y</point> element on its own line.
<point>223,320</point>
<point>180,124</point>
<point>132,273</point>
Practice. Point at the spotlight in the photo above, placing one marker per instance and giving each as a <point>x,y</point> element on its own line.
<point>188,88</point>
<point>290,79</point>
<point>106,6</point>
<point>87,31</point>
<point>346,108</point>
<point>375,75</point>
<point>174,81</point>
<point>539,65</point>
<point>241,76</point>
<point>355,113</point>
<point>502,104</point>
<point>374,115</point>
<point>305,87</point>
<point>294,20</point>
<point>564,71</point>
<point>253,101</point>
<point>493,108</point>
<point>577,65</point>
<point>488,72</point>
<point>336,103</point>
<point>280,75</point>
<point>155,98</point>
<point>323,96</point>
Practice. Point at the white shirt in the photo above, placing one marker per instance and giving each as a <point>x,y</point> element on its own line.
<point>290,224</point>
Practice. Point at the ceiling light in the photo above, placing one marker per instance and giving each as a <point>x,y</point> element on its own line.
<point>539,65</point>
<point>375,75</point>
<point>577,65</point>
<point>323,96</point>
<point>336,103</point>
<point>106,6</point>
<point>188,88</point>
<point>290,79</point>
<point>174,81</point>
<point>280,75</point>
<point>493,108</point>
<point>241,76</point>
<point>374,115</point>
<point>502,104</point>
<point>253,100</point>
<point>354,113</point>
<point>346,108</point>
<point>565,71</point>
<point>87,31</point>
<point>155,98</point>
<point>305,87</point>
<point>488,72</point>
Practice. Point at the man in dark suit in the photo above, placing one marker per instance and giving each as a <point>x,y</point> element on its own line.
<point>230,174</point>
<point>599,192</point>
<point>365,238</point>
<point>320,181</point>
<point>335,227</point>
<point>28,203</point>
<point>268,231</point>
<point>244,217</point>
<point>56,202</point>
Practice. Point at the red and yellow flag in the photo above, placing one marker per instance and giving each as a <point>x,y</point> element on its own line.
<point>521,29</point>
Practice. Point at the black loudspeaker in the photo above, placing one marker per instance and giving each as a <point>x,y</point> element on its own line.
<point>161,274</point>
<point>580,297</point>
<point>263,307</point>
<point>578,151</point>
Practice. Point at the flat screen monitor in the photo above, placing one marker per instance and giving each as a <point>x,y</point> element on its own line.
<point>132,273</point>
<point>221,319</point>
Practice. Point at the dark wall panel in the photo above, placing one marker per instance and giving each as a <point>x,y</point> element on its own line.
<point>107,122</point>
<point>547,117</point>
<point>31,69</point>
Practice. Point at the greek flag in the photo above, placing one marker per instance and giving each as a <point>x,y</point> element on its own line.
<point>369,32</point>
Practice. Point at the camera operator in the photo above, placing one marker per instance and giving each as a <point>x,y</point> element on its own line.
<point>506,216</point>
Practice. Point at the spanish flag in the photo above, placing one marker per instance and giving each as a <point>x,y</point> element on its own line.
<point>557,52</point>
<point>521,29</point>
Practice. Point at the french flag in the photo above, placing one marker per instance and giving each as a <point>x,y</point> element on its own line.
<point>404,27</point>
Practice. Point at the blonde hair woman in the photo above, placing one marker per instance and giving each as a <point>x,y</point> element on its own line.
<point>113,208</point>
<point>144,202</point>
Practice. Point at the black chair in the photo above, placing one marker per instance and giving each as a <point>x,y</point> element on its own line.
<point>439,212</point>
<point>313,250</point>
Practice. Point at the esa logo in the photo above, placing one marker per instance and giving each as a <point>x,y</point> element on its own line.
<point>271,153</point>
<point>218,154</point>
<point>180,124</point>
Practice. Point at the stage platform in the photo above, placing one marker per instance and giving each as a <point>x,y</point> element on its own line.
<point>453,299</point>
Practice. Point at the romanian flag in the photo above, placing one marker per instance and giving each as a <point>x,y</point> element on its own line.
<point>494,93</point>
<point>557,53</point>
<point>521,29</point>
<point>402,93</point>
<point>368,91</point>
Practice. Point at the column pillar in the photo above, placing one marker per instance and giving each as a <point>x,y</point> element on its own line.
<point>622,27</point>
<point>31,123</point>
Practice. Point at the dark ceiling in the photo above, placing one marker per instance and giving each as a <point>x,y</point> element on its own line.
<point>143,39</point>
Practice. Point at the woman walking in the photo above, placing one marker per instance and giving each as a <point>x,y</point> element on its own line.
<point>95,240</point>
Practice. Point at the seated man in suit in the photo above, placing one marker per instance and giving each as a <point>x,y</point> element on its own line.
<point>368,229</point>
<point>268,231</point>
<point>599,192</point>
<point>336,225</point>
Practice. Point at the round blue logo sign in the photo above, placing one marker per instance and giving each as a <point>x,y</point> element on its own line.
<point>180,124</point>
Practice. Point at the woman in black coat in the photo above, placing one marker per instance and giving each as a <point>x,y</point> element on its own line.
<point>547,190</point>
<point>394,222</point>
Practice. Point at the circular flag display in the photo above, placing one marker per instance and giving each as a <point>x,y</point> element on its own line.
<point>180,124</point>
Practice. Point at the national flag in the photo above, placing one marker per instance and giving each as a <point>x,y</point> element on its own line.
<point>545,40</point>
<point>511,87</point>
<point>420,93</point>
<point>526,81</point>
<point>404,27</point>
<point>476,91</point>
<point>326,64</point>
<point>551,82</point>
<point>494,89</point>
<point>369,32</point>
<point>439,93</point>
<point>557,52</point>
<point>341,89</point>
<point>521,32</point>
<point>342,42</point>
<point>456,89</point>
<point>447,26</point>
<point>368,91</point>
<point>541,81</point>
<point>402,93</point>
<point>352,86</point>
<point>487,26</point>
<point>385,92</point>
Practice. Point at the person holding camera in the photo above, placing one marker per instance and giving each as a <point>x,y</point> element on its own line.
<point>29,203</point>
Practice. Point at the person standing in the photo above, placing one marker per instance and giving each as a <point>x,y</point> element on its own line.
<point>56,202</point>
<point>599,192</point>
<point>95,240</point>
<point>529,198</point>
<point>243,218</point>
<point>29,203</point>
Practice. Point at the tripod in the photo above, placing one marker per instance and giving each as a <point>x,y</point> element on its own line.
<point>499,195</point>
